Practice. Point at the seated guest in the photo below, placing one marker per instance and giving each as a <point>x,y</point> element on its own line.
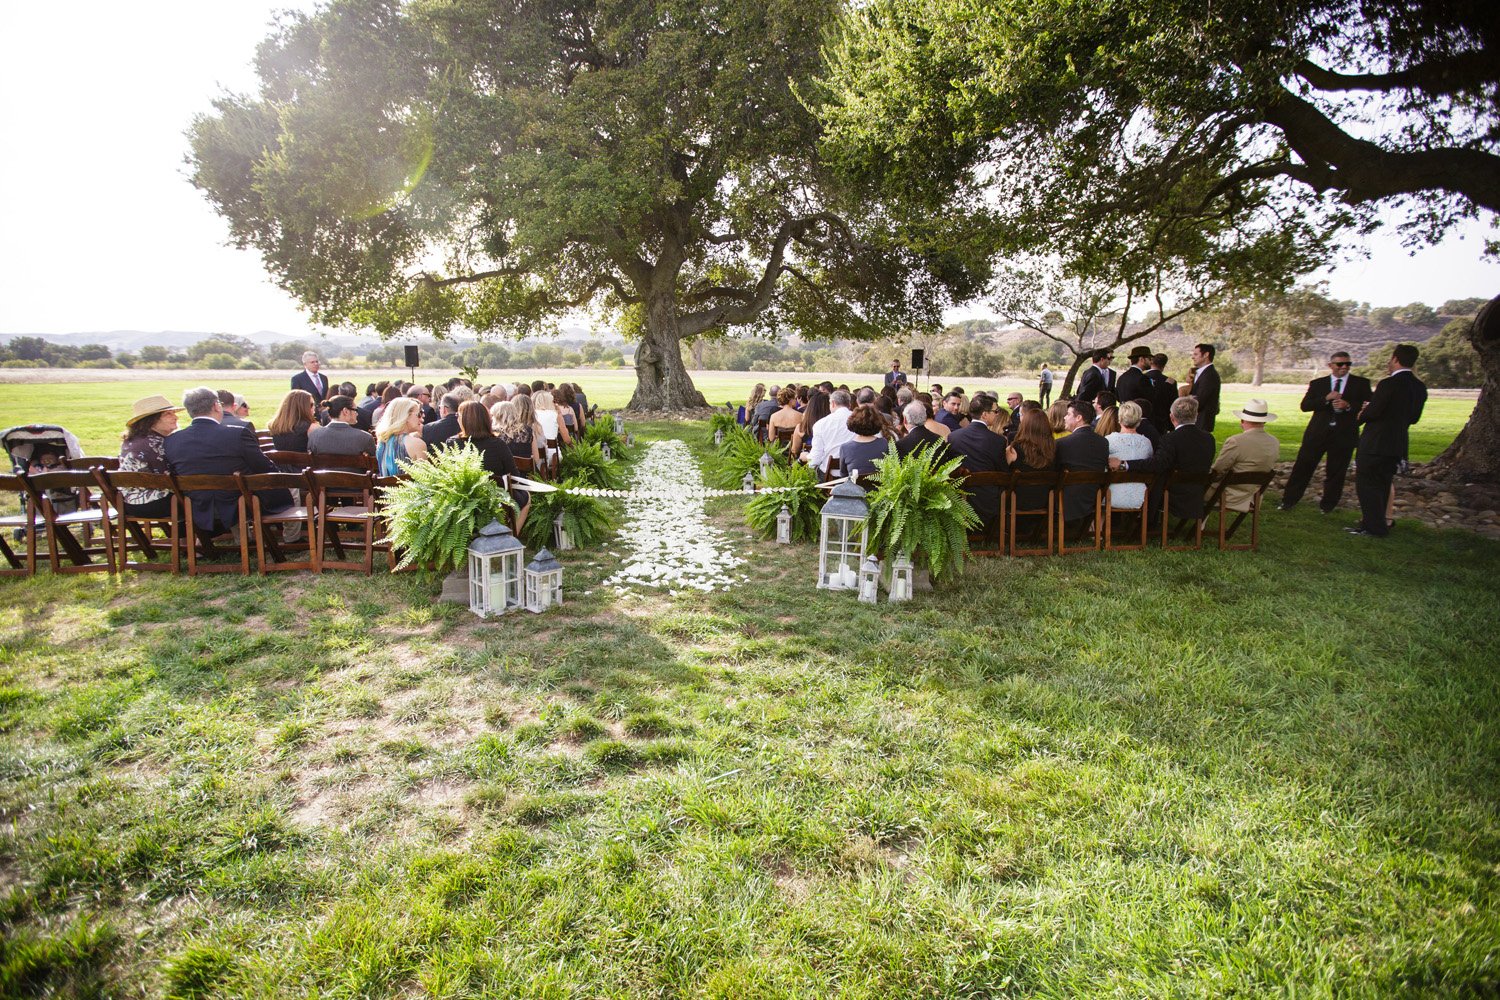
<point>231,410</point>
<point>144,449</point>
<point>398,436</point>
<point>341,435</point>
<point>446,425</point>
<point>832,431</point>
<point>1251,450</point>
<point>554,431</point>
<point>294,418</point>
<point>786,416</point>
<point>1034,450</point>
<point>949,414</point>
<point>1080,450</point>
<point>1128,445</point>
<point>515,424</point>
<point>1108,420</point>
<point>388,395</point>
<point>475,431</point>
<point>205,447</point>
<point>981,444</point>
<point>1146,428</point>
<point>1104,401</point>
<point>568,410</point>
<point>817,408</point>
<point>1056,417</point>
<point>1014,401</point>
<point>1188,449</point>
<point>924,430</point>
<point>857,456</point>
<point>423,395</point>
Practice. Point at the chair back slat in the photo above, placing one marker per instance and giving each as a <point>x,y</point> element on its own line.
<point>291,459</point>
<point>106,462</point>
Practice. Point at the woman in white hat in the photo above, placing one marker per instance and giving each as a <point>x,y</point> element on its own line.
<point>144,450</point>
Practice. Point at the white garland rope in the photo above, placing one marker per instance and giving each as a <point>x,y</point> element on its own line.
<point>684,493</point>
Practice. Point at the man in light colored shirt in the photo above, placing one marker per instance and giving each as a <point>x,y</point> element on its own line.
<point>832,432</point>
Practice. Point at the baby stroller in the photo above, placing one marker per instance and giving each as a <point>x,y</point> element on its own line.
<point>37,448</point>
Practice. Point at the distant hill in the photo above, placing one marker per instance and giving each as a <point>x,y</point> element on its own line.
<point>133,340</point>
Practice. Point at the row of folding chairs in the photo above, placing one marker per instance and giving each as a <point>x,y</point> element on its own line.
<point>1037,526</point>
<point>82,516</point>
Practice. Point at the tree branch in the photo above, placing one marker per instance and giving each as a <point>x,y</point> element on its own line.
<point>1462,72</point>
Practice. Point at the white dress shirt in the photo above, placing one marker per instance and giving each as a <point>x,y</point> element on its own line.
<point>829,435</point>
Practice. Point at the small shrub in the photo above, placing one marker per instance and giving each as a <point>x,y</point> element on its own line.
<point>585,462</point>
<point>434,514</point>
<point>586,519</point>
<point>802,498</point>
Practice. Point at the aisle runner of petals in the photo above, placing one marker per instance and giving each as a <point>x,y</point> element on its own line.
<point>673,545</point>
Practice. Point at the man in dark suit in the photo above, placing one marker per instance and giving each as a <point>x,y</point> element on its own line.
<point>1131,384</point>
<point>1334,402</point>
<point>1395,405</point>
<point>1080,450</point>
<point>1097,377</point>
<point>1163,390</point>
<point>895,377</point>
<point>205,447</point>
<point>981,443</point>
<point>311,380</point>
<point>1187,448</point>
<point>446,425</point>
<point>1204,386</point>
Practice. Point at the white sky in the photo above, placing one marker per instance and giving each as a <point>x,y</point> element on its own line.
<point>100,230</point>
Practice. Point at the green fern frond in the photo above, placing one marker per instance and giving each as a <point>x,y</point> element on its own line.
<point>917,508</point>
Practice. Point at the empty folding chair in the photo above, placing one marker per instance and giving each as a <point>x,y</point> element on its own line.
<point>28,523</point>
<point>343,499</point>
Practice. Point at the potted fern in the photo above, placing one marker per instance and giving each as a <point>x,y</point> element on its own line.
<point>433,514</point>
<point>917,509</point>
<point>586,519</point>
<point>799,492</point>
<point>584,460</point>
<point>740,453</point>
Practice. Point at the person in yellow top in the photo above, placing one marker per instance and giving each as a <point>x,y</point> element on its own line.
<point>1251,450</point>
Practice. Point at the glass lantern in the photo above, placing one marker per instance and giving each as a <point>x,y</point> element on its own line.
<point>841,541</point>
<point>748,483</point>
<point>619,424</point>
<point>495,571</point>
<point>765,465</point>
<point>604,448</point>
<point>784,526</point>
<point>901,584</point>
<point>543,583</point>
<point>718,437</point>
<point>560,540</point>
<point>869,581</point>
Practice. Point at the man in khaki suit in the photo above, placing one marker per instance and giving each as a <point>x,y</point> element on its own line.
<point>1251,450</point>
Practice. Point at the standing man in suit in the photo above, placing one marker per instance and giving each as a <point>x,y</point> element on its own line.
<point>311,380</point>
<point>1079,449</point>
<point>205,447</point>
<point>895,377</point>
<point>1098,377</point>
<point>1253,449</point>
<point>1163,390</point>
<point>1203,386</point>
<point>1187,448</point>
<point>1395,405</point>
<point>982,444</point>
<point>1132,384</point>
<point>1334,402</point>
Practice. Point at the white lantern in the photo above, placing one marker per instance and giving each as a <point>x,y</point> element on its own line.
<point>494,571</point>
<point>748,483</point>
<point>619,424</point>
<point>543,583</point>
<point>560,540</point>
<point>784,526</point>
<point>901,578</point>
<point>765,465</point>
<point>841,540</point>
<point>605,449</point>
<point>869,581</point>
<point>718,437</point>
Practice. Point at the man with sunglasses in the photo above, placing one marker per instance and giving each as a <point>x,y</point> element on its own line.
<point>1334,402</point>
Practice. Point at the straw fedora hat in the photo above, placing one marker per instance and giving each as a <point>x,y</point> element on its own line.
<point>149,407</point>
<point>1256,411</point>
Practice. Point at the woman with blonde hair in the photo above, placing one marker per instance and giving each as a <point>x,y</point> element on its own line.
<point>398,436</point>
<point>515,424</point>
<point>1127,444</point>
<point>756,395</point>
<point>293,419</point>
<point>1055,414</point>
<point>554,431</point>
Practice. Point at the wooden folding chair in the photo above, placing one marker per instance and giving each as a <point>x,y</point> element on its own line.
<point>106,462</point>
<point>1188,482</point>
<point>292,461</point>
<point>264,522</point>
<point>134,526</point>
<point>1219,502</point>
<point>784,436</point>
<point>343,463</point>
<point>835,469</point>
<point>1078,477</point>
<point>29,522</point>
<point>1048,510</point>
<point>193,539</point>
<point>60,524</point>
<point>523,466</point>
<point>981,542</point>
<point>383,525</point>
<point>332,513</point>
<point>1120,477</point>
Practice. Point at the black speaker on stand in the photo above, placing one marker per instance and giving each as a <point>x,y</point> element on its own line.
<point>413,359</point>
<point>918,357</point>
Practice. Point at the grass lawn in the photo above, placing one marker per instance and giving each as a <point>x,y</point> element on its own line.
<point>1134,774</point>
<point>96,411</point>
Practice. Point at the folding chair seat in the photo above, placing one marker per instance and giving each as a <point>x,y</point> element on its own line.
<point>1019,509</point>
<point>60,524</point>
<point>991,542</point>
<point>265,522</point>
<point>200,544</point>
<point>1187,482</point>
<point>1076,478</point>
<point>332,490</point>
<point>1219,503</point>
<point>28,522</point>
<point>138,527</point>
<point>1122,477</point>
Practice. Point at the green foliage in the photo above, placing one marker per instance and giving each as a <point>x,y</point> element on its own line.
<point>601,432</point>
<point>1447,361</point>
<point>470,371</point>
<point>434,514</point>
<point>585,462</point>
<point>721,421</point>
<point>740,453</point>
<point>917,508</point>
<point>587,519</point>
<point>803,500</point>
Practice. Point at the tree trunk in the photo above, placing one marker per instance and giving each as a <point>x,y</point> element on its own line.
<point>1258,372</point>
<point>661,380</point>
<point>1474,456</point>
<point>1067,386</point>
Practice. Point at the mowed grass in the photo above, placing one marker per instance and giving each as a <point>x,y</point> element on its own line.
<point>1133,774</point>
<point>96,411</point>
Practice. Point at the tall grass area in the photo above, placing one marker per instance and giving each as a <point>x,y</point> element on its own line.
<point>1134,774</point>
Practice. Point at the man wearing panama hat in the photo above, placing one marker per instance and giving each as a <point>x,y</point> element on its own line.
<point>1251,450</point>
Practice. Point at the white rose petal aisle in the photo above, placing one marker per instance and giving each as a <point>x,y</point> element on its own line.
<point>671,544</point>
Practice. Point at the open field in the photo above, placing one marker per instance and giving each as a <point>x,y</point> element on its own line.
<point>95,410</point>
<point>1130,774</point>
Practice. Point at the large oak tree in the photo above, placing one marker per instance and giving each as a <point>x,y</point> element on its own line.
<point>492,164</point>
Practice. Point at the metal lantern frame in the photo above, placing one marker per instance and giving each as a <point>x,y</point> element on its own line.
<point>619,424</point>
<point>869,581</point>
<point>784,526</point>
<point>747,485</point>
<point>841,538</point>
<point>901,578</point>
<point>543,583</point>
<point>495,556</point>
<point>561,541</point>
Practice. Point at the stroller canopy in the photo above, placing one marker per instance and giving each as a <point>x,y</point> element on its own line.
<point>20,443</point>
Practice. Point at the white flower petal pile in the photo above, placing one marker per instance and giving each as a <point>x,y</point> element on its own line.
<point>672,545</point>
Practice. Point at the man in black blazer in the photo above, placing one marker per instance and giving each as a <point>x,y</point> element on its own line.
<point>1132,383</point>
<point>1334,402</point>
<point>1097,377</point>
<point>311,380</point>
<point>1204,386</point>
<point>205,447</point>
<point>1163,390</point>
<point>1188,448</point>
<point>1079,450</point>
<point>981,443</point>
<point>1395,405</point>
<point>446,425</point>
